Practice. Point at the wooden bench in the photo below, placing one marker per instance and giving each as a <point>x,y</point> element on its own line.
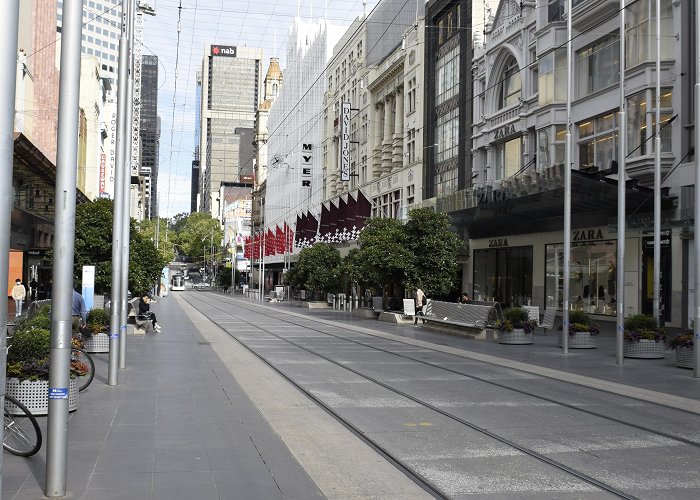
<point>472,319</point>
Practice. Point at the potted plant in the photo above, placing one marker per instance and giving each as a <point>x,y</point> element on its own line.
<point>516,327</point>
<point>27,370</point>
<point>644,339</point>
<point>582,331</point>
<point>683,345</point>
<point>94,333</point>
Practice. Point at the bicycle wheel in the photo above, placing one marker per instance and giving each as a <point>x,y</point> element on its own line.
<point>22,432</point>
<point>77,354</point>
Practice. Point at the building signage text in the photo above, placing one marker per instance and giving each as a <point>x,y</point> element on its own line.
<point>504,132</point>
<point>587,235</point>
<point>223,50</point>
<point>345,141</point>
<point>307,159</point>
<point>498,242</point>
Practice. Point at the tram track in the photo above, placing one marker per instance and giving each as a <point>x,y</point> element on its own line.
<point>406,468</point>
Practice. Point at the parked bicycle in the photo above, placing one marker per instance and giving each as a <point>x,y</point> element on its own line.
<point>81,356</point>
<point>22,434</point>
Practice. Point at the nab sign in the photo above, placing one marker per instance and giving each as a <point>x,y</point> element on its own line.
<point>223,50</point>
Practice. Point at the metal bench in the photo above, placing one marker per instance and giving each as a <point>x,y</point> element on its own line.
<point>477,316</point>
<point>140,321</point>
<point>547,322</point>
<point>35,306</point>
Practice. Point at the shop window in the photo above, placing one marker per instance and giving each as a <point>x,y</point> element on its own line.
<point>555,10</point>
<point>592,279</point>
<point>447,73</point>
<point>503,275</point>
<point>641,125</point>
<point>641,32</point>
<point>508,158</point>
<point>598,142</point>
<point>598,65</point>
<point>552,77</point>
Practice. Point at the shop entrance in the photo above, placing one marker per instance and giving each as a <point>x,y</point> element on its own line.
<point>503,275</point>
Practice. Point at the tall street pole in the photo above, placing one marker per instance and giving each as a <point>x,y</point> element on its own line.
<point>63,250</point>
<point>126,219</point>
<point>657,175</point>
<point>567,188</point>
<point>621,205</point>
<point>120,198</point>
<point>696,210</point>
<point>9,22</point>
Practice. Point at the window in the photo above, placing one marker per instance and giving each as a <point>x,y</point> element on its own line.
<point>598,142</point>
<point>503,275</point>
<point>598,65</point>
<point>592,276</point>
<point>449,24</point>
<point>363,167</point>
<point>641,122</point>
<point>641,32</point>
<point>387,205</point>
<point>441,29</point>
<point>411,145</point>
<point>534,72</point>
<point>510,86</point>
<point>330,83</point>
<point>447,136</point>
<point>551,147</point>
<point>411,95</point>
<point>508,157</point>
<point>555,10</point>
<point>552,77</point>
<point>447,85</point>
<point>410,195</point>
<point>359,50</point>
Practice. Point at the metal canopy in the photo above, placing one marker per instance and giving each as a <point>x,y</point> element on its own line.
<point>593,203</point>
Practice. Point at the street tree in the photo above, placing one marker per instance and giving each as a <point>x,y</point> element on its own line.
<point>317,271</point>
<point>432,239</point>
<point>197,232</point>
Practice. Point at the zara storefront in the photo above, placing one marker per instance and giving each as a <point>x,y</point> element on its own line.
<point>528,269</point>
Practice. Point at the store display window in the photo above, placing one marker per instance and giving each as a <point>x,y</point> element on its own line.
<point>592,280</point>
<point>503,275</point>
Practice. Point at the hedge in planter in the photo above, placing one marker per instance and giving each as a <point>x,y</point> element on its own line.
<point>516,327</point>
<point>582,331</point>
<point>644,339</point>
<point>683,345</point>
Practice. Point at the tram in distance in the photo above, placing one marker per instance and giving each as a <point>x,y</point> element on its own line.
<point>177,283</point>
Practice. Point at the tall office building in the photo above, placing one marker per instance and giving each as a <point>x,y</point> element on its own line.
<point>101,31</point>
<point>150,135</point>
<point>230,89</point>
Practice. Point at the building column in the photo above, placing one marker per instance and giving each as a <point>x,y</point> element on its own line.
<point>398,132</point>
<point>387,138</point>
<point>376,138</point>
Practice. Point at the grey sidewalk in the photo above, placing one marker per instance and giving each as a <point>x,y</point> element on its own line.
<point>177,426</point>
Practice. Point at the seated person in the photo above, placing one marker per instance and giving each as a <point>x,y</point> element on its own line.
<point>145,310</point>
<point>465,299</point>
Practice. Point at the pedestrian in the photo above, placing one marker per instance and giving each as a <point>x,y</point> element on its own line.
<point>421,300</point>
<point>465,299</point>
<point>33,287</point>
<point>49,286</point>
<point>145,310</point>
<point>78,311</point>
<point>19,293</point>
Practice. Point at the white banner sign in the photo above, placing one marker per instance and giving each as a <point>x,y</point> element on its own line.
<point>345,141</point>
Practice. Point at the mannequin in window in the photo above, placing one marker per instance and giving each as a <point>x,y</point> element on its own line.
<point>612,278</point>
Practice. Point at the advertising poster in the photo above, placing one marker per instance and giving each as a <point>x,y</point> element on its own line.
<point>89,286</point>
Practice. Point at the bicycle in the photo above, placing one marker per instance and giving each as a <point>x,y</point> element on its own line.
<point>81,356</point>
<point>22,436</point>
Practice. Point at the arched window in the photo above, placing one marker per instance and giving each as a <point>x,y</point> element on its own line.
<point>274,89</point>
<point>511,84</point>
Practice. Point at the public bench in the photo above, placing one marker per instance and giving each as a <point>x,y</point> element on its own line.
<point>139,322</point>
<point>471,319</point>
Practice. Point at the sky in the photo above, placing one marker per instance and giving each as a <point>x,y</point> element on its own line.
<point>252,23</point>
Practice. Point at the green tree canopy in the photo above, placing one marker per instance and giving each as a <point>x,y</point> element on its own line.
<point>383,257</point>
<point>317,270</point>
<point>93,246</point>
<point>196,233</point>
<point>431,238</point>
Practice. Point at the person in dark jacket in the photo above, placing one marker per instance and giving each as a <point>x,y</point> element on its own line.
<point>145,310</point>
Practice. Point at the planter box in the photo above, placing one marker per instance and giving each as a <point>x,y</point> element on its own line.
<point>99,342</point>
<point>684,357</point>
<point>644,349</point>
<point>35,395</point>
<point>516,337</point>
<point>580,340</point>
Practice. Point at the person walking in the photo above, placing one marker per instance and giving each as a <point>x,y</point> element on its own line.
<point>421,300</point>
<point>19,293</point>
<point>78,311</point>
<point>33,289</point>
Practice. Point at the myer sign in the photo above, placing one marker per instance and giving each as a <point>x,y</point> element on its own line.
<point>345,141</point>
<point>307,159</point>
